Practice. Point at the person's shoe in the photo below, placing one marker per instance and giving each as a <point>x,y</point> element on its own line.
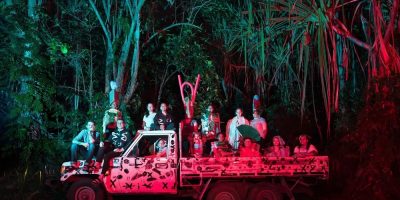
<point>76,164</point>
<point>97,165</point>
<point>86,168</point>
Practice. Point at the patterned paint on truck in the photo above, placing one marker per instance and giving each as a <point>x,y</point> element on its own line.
<point>255,167</point>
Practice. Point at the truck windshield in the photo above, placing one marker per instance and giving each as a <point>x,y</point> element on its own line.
<point>151,146</point>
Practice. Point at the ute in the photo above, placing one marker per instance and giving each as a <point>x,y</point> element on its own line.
<point>138,171</point>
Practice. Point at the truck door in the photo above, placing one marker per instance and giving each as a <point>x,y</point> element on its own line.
<point>150,168</point>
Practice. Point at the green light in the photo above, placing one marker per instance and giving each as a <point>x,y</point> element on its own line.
<point>64,49</point>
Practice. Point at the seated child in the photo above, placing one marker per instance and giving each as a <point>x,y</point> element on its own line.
<point>278,148</point>
<point>221,148</point>
<point>305,148</point>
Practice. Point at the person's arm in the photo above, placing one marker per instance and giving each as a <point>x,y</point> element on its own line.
<point>296,150</point>
<point>144,123</point>
<point>77,139</point>
<point>228,125</point>
<point>156,124</point>
<point>312,151</point>
<point>265,129</point>
<point>128,140</point>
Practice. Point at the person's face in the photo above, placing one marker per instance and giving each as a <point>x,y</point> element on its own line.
<point>161,143</point>
<point>276,142</point>
<point>256,115</point>
<point>210,109</point>
<point>221,137</point>
<point>247,143</point>
<point>120,124</point>
<point>163,107</point>
<point>239,112</point>
<point>303,140</point>
<point>91,126</point>
<point>196,136</point>
<point>150,107</point>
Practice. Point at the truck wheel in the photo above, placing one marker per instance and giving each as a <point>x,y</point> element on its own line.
<point>85,190</point>
<point>264,192</point>
<point>223,192</point>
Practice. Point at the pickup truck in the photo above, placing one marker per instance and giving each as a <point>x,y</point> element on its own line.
<point>137,171</point>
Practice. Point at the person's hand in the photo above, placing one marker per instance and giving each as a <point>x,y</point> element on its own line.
<point>101,144</point>
<point>162,127</point>
<point>118,150</point>
<point>86,145</point>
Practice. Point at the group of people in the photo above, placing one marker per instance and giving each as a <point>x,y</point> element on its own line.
<point>116,138</point>
<point>207,138</point>
<point>211,141</point>
<point>89,142</point>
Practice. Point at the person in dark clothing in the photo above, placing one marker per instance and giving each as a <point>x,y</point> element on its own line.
<point>163,120</point>
<point>86,141</point>
<point>119,140</point>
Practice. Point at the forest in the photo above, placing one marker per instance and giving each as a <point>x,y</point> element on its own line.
<point>328,68</point>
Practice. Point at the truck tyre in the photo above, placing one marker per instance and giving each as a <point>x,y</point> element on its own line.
<point>223,192</point>
<point>265,192</point>
<point>85,189</point>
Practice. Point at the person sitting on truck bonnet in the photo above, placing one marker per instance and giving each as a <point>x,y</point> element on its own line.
<point>87,140</point>
<point>120,139</point>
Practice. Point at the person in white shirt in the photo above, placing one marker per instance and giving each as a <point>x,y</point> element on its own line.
<point>148,118</point>
<point>305,148</point>
<point>260,125</point>
<point>232,131</point>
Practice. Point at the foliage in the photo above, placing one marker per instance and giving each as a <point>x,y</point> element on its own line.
<point>365,160</point>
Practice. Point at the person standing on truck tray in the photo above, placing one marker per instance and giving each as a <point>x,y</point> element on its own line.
<point>148,118</point>
<point>305,148</point>
<point>210,127</point>
<point>248,150</point>
<point>119,139</point>
<point>231,128</point>
<point>163,120</point>
<point>260,125</point>
<point>86,141</point>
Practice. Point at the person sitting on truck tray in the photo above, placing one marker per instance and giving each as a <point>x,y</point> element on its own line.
<point>86,141</point>
<point>119,139</point>
<point>278,148</point>
<point>161,149</point>
<point>221,148</point>
<point>248,150</point>
<point>305,148</point>
<point>163,120</point>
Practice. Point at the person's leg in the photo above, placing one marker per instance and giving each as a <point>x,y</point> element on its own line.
<point>107,159</point>
<point>100,154</point>
<point>90,153</point>
<point>74,152</point>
